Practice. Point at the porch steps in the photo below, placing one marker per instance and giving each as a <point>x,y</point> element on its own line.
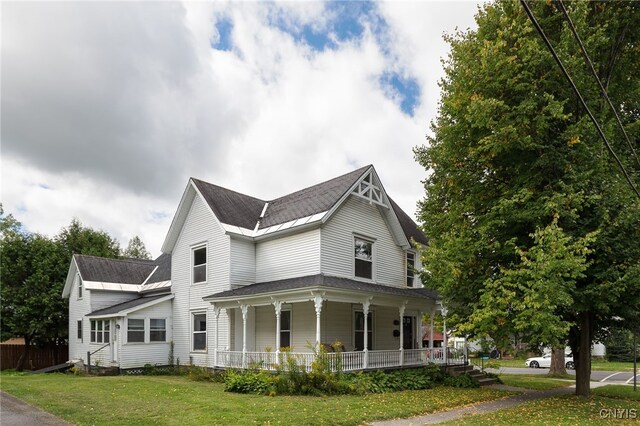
<point>59,367</point>
<point>481,377</point>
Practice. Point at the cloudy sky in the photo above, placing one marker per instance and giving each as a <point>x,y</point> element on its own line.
<point>108,108</point>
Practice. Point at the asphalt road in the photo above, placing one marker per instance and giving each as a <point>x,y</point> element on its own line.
<point>614,377</point>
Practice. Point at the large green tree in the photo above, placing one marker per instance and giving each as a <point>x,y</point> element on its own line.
<point>34,269</point>
<point>524,206</point>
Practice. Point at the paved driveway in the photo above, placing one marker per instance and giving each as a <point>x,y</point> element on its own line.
<point>14,412</point>
<point>613,377</point>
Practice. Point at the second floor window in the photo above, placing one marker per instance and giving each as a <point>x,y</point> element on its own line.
<point>411,266</point>
<point>363,252</point>
<point>199,265</point>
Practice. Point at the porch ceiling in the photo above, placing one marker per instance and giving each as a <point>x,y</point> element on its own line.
<point>330,288</point>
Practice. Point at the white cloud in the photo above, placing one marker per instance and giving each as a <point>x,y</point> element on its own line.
<point>114,105</point>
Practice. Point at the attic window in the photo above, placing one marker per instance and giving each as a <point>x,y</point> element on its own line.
<point>368,190</point>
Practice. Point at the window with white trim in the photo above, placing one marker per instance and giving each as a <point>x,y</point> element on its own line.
<point>363,258</point>
<point>358,330</point>
<point>79,336</point>
<point>285,328</point>
<point>157,330</point>
<point>79,288</point>
<point>199,340</point>
<point>411,267</point>
<point>135,330</point>
<point>199,265</point>
<point>100,331</point>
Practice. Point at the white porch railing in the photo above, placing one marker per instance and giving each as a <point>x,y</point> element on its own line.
<point>350,361</point>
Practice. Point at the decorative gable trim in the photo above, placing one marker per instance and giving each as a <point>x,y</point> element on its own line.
<point>370,189</point>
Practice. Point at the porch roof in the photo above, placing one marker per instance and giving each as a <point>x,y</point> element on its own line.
<point>284,289</point>
<point>123,308</point>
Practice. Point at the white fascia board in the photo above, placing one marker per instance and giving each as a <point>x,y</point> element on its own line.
<point>155,286</point>
<point>178,218</point>
<point>99,285</point>
<point>331,294</point>
<point>68,284</point>
<point>346,195</point>
<point>149,276</point>
<point>291,226</point>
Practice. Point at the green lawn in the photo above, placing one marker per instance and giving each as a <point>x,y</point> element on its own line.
<point>596,364</point>
<point>534,381</point>
<point>170,400</point>
<point>568,410</point>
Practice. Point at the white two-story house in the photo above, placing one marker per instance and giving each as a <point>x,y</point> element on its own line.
<point>240,278</point>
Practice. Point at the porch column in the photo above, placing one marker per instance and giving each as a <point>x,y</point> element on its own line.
<point>419,330</point>
<point>278,306</point>
<point>431,315</point>
<point>245,310</point>
<point>216,315</point>
<point>445,341</point>
<point>318,304</point>
<point>365,312</point>
<point>401,312</point>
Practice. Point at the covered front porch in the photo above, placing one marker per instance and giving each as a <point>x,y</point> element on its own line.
<point>353,325</point>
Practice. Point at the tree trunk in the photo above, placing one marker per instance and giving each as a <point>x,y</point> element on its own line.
<point>557,361</point>
<point>583,358</point>
<point>25,353</point>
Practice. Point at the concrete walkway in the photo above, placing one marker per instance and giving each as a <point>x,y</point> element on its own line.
<point>480,408</point>
<point>14,412</point>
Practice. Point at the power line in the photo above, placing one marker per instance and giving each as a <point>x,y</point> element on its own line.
<point>577,92</point>
<point>595,75</point>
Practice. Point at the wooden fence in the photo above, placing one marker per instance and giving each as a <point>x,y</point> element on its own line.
<point>38,357</point>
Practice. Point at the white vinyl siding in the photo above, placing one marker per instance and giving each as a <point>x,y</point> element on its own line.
<point>78,308</point>
<point>101,299</point>
<point>200,228</point>
<point>357,217</point>
<point>133,355</point>
<point>288,257</point>
<point>243,262</point>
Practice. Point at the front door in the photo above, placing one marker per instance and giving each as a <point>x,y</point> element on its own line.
<point>407,333</point>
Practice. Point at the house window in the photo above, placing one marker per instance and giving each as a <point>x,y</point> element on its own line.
<point>285,329</point>
<point>199,331</point>
<point>135,330</point>
<point>411,265</point>
<point>79,288</point>
<point>363,251</point>
<point>79,330</point>
<point>200,265</point>
<point>157,330</point>
<point>358,328</point>
<point>100,331</point>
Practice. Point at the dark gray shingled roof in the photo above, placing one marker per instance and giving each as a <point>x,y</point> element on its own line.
<point>309,201</point>
<point>321,280</point>
<point>231,207</point>
<point>163,273</point>
<point>409,227</point>
<point>241,210</point>
<point>125,305</point>
<point>121,271</point>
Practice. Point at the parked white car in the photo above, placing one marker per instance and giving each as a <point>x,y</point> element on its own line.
<point>545,362</point>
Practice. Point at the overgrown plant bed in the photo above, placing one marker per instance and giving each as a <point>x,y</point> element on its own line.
<point>317,382</point>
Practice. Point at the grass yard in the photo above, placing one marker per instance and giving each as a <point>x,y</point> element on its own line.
<point>596,364</point>
<point>599,409</point>
<point>535,381</point>
<point>171,400</point>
